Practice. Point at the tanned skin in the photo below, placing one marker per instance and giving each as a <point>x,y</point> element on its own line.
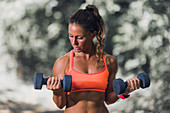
<point>85,61</point>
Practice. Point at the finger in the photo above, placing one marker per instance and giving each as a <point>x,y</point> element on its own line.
<point>132,82</point>
<point>135,83</point>
<point>55,83</point>
<point>128,87</point>
<point>52,82</point>
<point>138,83</point>
<point>48,83</point>
<point>128,83</point>
<point>59,83</point>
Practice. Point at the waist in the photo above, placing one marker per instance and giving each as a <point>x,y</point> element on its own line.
<point>86,102</point>
<point>86,108</point>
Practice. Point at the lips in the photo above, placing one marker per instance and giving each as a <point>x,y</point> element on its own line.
<point>76,48</point>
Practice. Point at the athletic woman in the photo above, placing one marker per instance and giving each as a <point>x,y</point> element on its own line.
<point>92,70</point>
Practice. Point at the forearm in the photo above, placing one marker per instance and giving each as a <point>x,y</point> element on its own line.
<point>111,98</point>
<point>59,98</point>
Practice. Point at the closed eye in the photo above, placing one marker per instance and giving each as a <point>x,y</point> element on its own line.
<point>80,38</point>
<point>70,36</point>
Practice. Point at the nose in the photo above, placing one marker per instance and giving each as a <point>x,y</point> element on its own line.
<point>75,41</point>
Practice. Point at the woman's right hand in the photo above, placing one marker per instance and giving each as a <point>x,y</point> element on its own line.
<point>53,83</point>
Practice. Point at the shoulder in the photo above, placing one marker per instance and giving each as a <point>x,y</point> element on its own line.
<point>111,63</point>
<point>63,60</point>
<point>61,65</point>
<point>110,60</point>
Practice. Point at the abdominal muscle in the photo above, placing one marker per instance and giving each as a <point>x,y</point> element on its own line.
<point>86,102</point>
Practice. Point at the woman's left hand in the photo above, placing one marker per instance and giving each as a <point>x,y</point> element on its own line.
<point>133,84</point>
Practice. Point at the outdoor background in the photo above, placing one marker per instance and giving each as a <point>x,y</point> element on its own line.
<point>33,34</point>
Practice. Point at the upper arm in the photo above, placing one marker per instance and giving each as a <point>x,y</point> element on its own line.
<point>61,66</point>
<point>112,68</point>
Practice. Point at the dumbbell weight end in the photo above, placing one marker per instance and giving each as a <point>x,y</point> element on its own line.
<point>119,86</point>
<point>144,80</point>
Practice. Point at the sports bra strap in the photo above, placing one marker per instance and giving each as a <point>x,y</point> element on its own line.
<point>71,60</point>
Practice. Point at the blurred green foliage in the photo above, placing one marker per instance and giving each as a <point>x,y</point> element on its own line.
<point>138,35</point>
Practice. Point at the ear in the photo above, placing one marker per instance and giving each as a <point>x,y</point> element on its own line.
<point>93,34</point>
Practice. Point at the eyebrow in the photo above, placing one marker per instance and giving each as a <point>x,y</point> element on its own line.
<point>76,35</point>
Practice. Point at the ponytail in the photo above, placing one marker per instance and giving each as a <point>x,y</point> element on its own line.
<point>100,32</point>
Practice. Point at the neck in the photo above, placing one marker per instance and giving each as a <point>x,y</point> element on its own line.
<point>88,53</point>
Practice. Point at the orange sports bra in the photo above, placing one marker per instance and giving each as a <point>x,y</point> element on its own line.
<point>88,82</point>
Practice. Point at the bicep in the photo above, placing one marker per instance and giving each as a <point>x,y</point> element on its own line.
<point>56,67</point>
<point>59,67</point>
<point>112,75</point>
<point>110,96</point>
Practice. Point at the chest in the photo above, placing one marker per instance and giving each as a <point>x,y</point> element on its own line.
<point>87,75</point>
<point>87,66</point>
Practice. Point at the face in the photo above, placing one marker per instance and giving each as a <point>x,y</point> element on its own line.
<point>80,39</point>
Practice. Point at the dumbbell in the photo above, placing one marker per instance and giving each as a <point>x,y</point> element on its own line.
<point>66,83</point>
<point>119,86</point>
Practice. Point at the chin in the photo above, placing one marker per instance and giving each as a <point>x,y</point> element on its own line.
<point>75,50</point>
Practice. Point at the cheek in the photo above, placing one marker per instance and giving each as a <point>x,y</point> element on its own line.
<point>85,44</point>
<point>82,42</point>
<point>71,40</point>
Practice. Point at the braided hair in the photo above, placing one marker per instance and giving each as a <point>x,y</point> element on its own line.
<point>90,19</point>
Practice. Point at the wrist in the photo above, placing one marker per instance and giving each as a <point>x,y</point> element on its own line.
<point>57,92</point>
<point>123,96</point>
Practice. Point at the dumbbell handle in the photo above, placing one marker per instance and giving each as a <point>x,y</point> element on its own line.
<point>44,82</point>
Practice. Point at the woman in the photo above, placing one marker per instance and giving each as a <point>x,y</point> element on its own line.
<point>92,70</point>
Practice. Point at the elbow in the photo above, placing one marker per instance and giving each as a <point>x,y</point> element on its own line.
<point>60,106</point>
<point>111,98</point>
<point>108,102</point>
<point>59,103</point>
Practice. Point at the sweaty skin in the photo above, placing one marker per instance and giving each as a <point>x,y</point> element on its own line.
<point>86,101</point>
<point>85,61</point>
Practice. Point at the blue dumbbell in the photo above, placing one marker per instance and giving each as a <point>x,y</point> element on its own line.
<point>66,83</point>
<point>119,86</point>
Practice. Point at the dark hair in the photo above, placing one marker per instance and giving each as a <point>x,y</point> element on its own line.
<point>91,20</point>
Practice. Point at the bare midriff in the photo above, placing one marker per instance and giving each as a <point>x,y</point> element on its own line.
<point>86,102</point>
